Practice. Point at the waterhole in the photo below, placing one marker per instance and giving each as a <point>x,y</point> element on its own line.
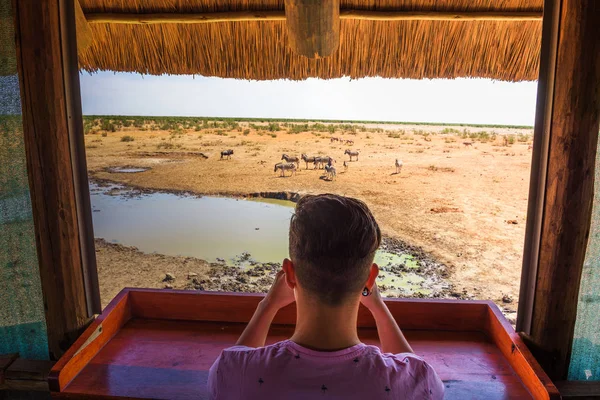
<point>234,231</point>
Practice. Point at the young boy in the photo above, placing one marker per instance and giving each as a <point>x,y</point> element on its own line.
<point>333,240</point>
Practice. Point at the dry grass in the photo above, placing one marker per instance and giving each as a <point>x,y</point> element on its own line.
<point>258,50</point>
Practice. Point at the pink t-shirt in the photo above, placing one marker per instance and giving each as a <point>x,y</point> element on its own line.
<point>286,370</point>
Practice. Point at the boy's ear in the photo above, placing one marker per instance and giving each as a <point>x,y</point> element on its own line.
<point>373,273</point>
<point>290,273</point>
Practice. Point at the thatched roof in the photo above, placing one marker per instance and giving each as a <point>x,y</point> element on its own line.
<point>504,50</point>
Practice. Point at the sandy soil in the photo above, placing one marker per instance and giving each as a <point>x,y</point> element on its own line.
<point>465,205</point>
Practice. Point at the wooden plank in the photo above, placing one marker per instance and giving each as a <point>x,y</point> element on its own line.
<point>347,14</point>
<point>45,128</point>
<point>100,332</point>
<point>211,306</point>
<point>147,357</point>
<point>570,183</point>
<point>579,390</point>
<point>539,165</point>
<point>522,362</point>
<point>5,361</point>
<point>313,27</point>
<point>70,16</point>
<point>29,370</point>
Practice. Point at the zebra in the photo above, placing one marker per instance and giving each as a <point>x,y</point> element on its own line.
<point>398,166</point>
<point>350,142</point>
<point>335,139</point>
<point>307,159</point>
<point>321,161</point>
<point>226,153</point>
<point>467,144</point>
<point>291,159</point>
<point>352,153</point>
<point>330,171</point>
<point>285,167</point>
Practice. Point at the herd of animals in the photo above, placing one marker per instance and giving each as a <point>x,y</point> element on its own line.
<point>292,163</point>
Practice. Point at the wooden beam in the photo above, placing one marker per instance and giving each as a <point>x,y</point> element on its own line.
<point>313,27</point>
<point>441,15</point>
<point>184,18</point>
<point>27,375</point>
<point>579,390</point>
<point>40,64</point>
<point>575,117</point>
<point>237,16</point>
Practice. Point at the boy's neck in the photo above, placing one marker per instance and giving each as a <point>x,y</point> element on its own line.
<point>320,327</point>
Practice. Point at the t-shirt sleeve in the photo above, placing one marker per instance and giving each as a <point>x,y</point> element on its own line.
<point>214,379</point>
<point>434,383</point>
<point>218,387</point>
<point>428,383</point>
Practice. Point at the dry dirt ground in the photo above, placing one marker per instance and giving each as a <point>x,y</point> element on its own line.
<point>465,205</point>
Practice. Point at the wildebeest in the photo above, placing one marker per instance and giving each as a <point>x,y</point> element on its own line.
<point>285,167</point>
<point>468,144</point>
<point>226,153</point>
<point>352,153</point>
<point>307,159</point>
<point>345,166</point>
<point>335,139</point>
<point>330,171</point>
<point>291,159</point>
<point>350,142</point>
<point>398,166</point>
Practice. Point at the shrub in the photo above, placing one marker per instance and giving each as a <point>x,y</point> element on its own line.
<point>246,132</point>
<point>127,138</point>
<point>104,134</point>
<point>108,126</point>
<point>523,138</point>
<point>165,145</point>
<point>450,130</point>
<point>273,135</point>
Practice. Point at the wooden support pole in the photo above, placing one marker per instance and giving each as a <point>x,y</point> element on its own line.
<point>575,116</point>
<point>39,32</point>
<point>313,26</point>
<point>237,16</point>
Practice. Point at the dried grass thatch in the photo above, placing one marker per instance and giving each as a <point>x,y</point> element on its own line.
<point>504,50</point>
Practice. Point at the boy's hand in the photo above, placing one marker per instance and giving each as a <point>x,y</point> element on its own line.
<point>373,301</point>
<point>280,294</point>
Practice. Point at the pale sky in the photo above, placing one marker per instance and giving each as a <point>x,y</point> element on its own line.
<point>478,101</point>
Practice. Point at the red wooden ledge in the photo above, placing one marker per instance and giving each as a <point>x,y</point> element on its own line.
<point>152,343</point>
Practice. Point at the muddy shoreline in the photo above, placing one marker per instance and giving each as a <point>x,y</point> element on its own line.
<point>120,262</point>
<point>135,190</point>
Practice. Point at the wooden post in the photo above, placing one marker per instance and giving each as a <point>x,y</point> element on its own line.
<point>575,113</point>
<point>313,26</point>
<point>44,91</point>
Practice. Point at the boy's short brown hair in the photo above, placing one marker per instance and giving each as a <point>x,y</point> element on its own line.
<point>333,240</point>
